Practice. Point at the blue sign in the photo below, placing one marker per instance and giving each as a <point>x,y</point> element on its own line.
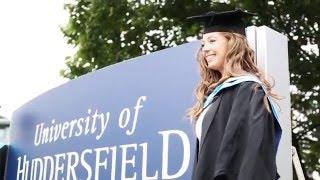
<point>125,121</point>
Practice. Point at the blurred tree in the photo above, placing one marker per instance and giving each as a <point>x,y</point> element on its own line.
<point>107,32</point>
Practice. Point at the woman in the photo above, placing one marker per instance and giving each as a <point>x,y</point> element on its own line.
<point>236,120</point>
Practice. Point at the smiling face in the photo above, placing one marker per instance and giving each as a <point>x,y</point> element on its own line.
<point>214,49</point>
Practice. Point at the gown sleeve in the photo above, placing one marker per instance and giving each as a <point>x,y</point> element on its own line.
<point>259,154</point>
<point>251,152</point>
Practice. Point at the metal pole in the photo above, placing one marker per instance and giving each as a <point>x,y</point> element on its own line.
<point>297,164</point>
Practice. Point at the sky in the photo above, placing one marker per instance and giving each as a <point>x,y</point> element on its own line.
<point>32,50</point>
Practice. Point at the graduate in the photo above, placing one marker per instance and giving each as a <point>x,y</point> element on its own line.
<point>236,117</point>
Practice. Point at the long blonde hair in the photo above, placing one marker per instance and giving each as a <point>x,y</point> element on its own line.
<point>239,61</point>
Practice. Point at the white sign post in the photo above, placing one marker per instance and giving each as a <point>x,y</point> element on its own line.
<point>271,49</point>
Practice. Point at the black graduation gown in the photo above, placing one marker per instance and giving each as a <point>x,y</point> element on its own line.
<point>237,139</point>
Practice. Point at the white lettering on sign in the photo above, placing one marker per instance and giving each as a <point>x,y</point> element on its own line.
<point>66,165</point>
<point>93,124</point>
<point>165,153</point>
<point>125,161</point>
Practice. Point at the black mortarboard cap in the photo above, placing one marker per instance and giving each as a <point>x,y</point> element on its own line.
<point>226,21</point>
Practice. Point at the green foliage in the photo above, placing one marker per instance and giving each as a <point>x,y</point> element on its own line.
<point>107,32</point>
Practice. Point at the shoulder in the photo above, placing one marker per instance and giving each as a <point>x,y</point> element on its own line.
<point>244,97</point>
<point>253,91</point>
<point>249,85</point>
<point>248,89</point>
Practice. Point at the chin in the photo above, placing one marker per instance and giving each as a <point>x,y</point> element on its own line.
<point>214,68</point>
